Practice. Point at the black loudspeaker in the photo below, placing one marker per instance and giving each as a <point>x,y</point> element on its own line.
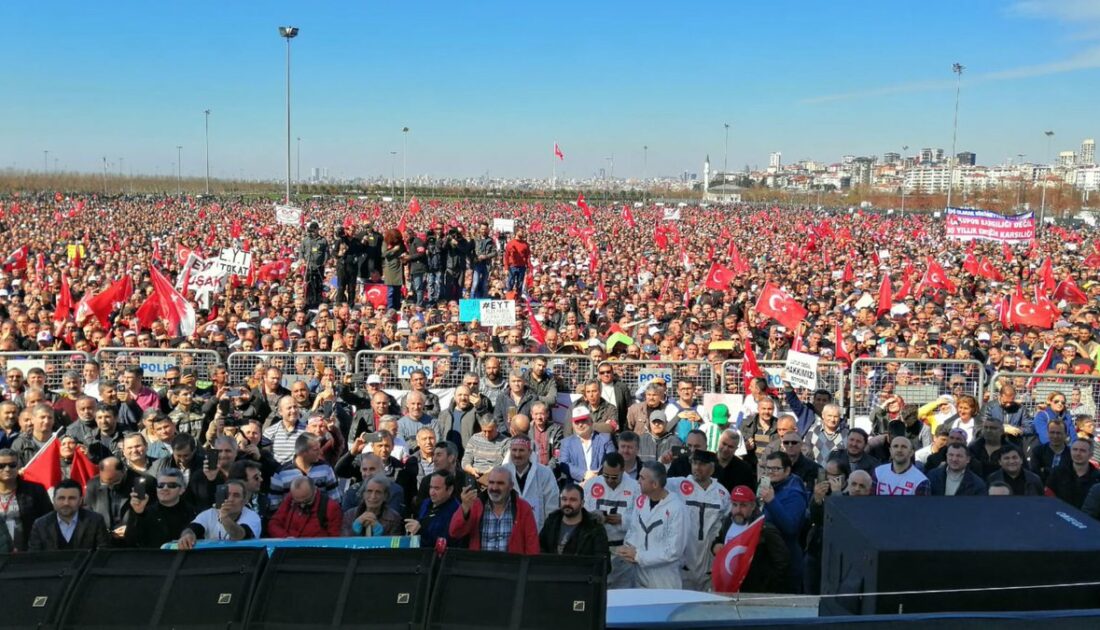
<point>35,586</point>
<point>528,592</point>
<point>129,588</point>
<point>344,588</point>
<point>965,549</point>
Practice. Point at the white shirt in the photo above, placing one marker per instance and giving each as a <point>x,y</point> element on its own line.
<point>212,527</point>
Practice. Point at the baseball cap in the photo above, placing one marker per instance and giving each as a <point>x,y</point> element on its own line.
<point>374,379</point>
<point>658,416</point>
<point>720,414</point>
<point>742,494</point>
<point>580,414</point>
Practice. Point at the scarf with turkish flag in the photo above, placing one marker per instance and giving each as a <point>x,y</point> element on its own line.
<point>732,562</point>
<point>775,303</point>
<point>45,467</point>
<point>376,295</point>
<point>719,277</point>
<point>885,300</point>
<point>1069,291</point>
<point>171,305</point>
<point>628,217</point>
<point>1024,313</point>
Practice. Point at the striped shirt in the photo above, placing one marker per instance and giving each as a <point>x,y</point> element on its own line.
<point>282,440</point>
<point>321,473</point>
<point>483,454</point>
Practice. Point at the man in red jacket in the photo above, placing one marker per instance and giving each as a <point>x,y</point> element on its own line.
<point>517,259</point>
<point>499,520</point>
<point>308,514</point>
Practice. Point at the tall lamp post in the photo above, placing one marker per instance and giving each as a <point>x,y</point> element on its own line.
<point>1019,177</point>
<point>393,171</point>
<point>726,156</point>
<point>288,32</point>
<point>405,166</point>
<point>179,171</point>
<point>645,174</point>
<point>957,68</point>
<point>46,162</point>
<point>206,114</point>
<point>298,171</point>
<point>904,148</point>
<point>1043,202</point>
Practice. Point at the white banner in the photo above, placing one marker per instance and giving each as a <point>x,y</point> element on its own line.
<point>235,262</point>
<point>801,369</point>
<point>156,366</point>
<point>498,313</point>
<point>671,214</point>
<point>504,225</point>
<point>288,215</point>
<point>203,276</point>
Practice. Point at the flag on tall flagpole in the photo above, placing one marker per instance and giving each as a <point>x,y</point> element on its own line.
<point>558,153</point>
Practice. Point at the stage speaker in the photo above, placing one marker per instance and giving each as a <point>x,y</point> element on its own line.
<point>131,588</point>
<point>35,586</point>
<point>893,555</point>
<point>344,588</point>
<point>487,590</point>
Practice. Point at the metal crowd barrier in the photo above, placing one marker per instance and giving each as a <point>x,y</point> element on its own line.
<point>54,363</point>
<point>394,367</point>
<point>1082,391</point>
<point>296,366</point>
<point>831,375</point>
<point>571,370</point>
<point>156,361</point>
<point>638,373</point>
<point>917,381</point>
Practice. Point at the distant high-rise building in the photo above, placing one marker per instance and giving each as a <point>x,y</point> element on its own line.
<point>861,169</point>
<point>938,156</point>
<point>925,156</point>
<point>847,159</point>
<point>775,162</point>
<point>315,174</point>
<point>1067,158</point>
<point>891,158</point>
<point>1088,152</point>
<point>966,158</point>
<point>706,174</point>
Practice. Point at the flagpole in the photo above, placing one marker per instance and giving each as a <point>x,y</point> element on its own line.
<point>553,169</point>
<point>41,450</point>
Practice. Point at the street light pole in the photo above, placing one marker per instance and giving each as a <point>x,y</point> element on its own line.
<point>645,174</point>
<point>46,162</point>
<point>393,171</point>
<point>1043,203</point>
<point>726,157</point>
<point>179,171</point>
<point>957,68</point>
<point>904,148</point>
<point>405,166</point>
<point>288,32</point>
<point>1019,177</point>
<point>298,177</point>
<point>206,113</point>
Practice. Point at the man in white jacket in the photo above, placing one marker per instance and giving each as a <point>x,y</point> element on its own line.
<point>534,482</point>
<point>655,539</point>
<point>706,502</point>
<point>611,498</point>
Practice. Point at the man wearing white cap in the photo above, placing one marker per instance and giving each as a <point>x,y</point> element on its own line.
<point>583,451</point>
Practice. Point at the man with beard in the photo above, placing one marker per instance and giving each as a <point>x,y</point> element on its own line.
<point>571,530</point>
<point>1007,411</point>
<point>771,563</point>
<point>498,519</point>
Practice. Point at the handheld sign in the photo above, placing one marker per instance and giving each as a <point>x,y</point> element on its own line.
<point>498,313</point>
<point>801,369</point>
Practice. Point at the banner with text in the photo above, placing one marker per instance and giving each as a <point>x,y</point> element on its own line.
<point>966,224</point>
<point>801,369</point>
<point>288,215</point>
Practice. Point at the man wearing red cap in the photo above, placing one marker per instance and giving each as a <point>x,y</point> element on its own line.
<point>771,563</point>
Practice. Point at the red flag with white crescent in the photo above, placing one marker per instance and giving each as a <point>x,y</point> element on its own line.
<point>732,562</point>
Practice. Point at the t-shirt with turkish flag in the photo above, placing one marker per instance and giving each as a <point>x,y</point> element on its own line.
<point>517,253</point>
<point>418,256</point>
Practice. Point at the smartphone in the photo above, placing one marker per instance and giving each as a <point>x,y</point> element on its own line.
<point>220,495</point>
<point>235,392</point>
<point>211,455</point>
<point>677,451</point>
<point>471,483</point>
<point>140,491</point>
<point>822,475</point>
<point>120,387</point>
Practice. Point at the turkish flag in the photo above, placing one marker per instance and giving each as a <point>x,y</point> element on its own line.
<point>936,277</point>
<point>275,270</point>
<point>558,153</point>
<point>1092,261</point>
<point>148,312</point>
<point>848,274</point>
<point>17,259</point>
<point>740,265</point>
<point>719,277</point>
<point>64,301</point>
<point>414,207</point>
<point>1069,291</point>
<point>628,216</point>
<point>102,304</point>
<point>376,295</point>
<point>583,205</point>
<point>537,332</point>
<point>1024,313</point>
<point>987,270</point>
<point>1006,252</point>
<point>778,305</point>
<point>235,229</point>
<point>660,240</point>
<point>903,290</point>
<point>839,351</point>
<point>750,369</point>
<point>970,265</point>
<point>173,306</point>
<point>45,467</point>
<point>1046,277</point>
<point>732,562</point>
<point>82,469</point>
<point>885,300</point>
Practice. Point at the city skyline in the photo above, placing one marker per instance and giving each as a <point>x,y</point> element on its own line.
<point>491,90</point>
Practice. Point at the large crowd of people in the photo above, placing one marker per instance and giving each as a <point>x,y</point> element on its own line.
<point>543,436</point>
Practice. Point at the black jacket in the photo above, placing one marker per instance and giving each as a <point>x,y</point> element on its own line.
<point>588,539</point>
<point>34,502</point>
<point>1071,488</point>
<point>157,525</point>
<point>971,485</point>
<point>91,533</point>
<point>771,563</point>
<point>1027,484</point>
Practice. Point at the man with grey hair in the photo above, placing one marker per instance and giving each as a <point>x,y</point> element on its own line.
<point>517,398</point>
<point>485,450</point>
<point>416,416</point>
<point>307,513</point>
<point>498,519</point>
<point>656,538</point>
<point>653,399</point>
<point>149,523</point>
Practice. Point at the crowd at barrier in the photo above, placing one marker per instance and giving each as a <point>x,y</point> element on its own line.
<point>621,386</point>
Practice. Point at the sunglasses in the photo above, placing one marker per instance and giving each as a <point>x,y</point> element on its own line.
<point>12,465</point>
<point>786,443</point>
<point>172,485</point>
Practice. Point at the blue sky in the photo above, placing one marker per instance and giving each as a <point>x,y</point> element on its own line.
<point>488,86</point>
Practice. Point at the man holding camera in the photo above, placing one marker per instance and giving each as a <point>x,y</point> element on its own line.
<point>348,253</point>
<point>314,254</point>
<point>229,519</point>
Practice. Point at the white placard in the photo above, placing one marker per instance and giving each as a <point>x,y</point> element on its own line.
<point>671,214</point>
<point>26,365</point>
<point>235,262</point>
<point>203,276</point>
<point>883,254</point>
<point>648,375</point>
<point>156,366</point>
<point>288,215</point>
<point>405,368</point>
<point>498,313</point>
<point>504,225</point>
<point>801,369</point>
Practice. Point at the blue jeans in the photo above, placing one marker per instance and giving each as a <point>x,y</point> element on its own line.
<point>393,297</point>
<point>435,286</point>
<point>480,287</point>
<point>419,289</point>
<point>516,277</point>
